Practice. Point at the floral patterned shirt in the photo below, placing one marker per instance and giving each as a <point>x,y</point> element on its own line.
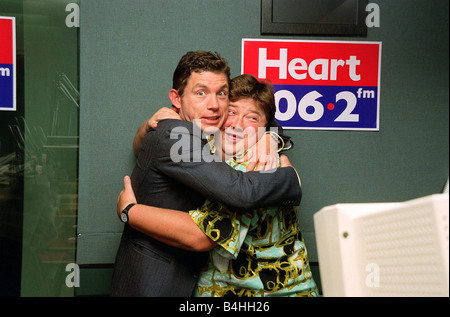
<point>259,252</point>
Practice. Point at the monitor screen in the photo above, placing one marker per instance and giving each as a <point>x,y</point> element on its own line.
<point>384,249</point>
<point>310,17</point>
<point>315,11</point>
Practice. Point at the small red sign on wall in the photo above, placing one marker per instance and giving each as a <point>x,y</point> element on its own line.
<point>7,63</point>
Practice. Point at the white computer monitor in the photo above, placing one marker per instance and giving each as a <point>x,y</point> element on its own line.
<point>384,249</point>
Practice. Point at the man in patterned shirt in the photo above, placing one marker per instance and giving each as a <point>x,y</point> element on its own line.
<point>257,252</point>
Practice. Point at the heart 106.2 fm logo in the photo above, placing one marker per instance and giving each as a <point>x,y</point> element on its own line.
<point>327,85</point>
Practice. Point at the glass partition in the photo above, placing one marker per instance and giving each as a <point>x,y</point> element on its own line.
<point>39,152</point>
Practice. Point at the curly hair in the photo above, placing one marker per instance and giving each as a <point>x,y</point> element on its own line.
<point>198,61</point>
<point>247,86</point>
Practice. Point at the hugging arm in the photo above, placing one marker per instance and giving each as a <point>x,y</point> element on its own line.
<point>283,142</point>
<point>172,227</point>
<point>212,179</point>
<point>264,154</point>
<point>152,123</point>
<point>200,170</point>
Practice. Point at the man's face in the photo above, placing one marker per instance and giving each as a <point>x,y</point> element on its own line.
<point>205,100</point>
<point>244,126</point>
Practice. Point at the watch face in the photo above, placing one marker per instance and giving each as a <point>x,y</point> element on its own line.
<point>124,217</point>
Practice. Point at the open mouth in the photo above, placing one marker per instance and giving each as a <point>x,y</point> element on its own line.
<point>233,137</point>
<point>211,120</point>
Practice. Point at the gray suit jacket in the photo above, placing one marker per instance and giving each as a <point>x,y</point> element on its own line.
<point>176,170</point>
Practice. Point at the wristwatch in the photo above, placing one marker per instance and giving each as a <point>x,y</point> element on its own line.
<point>124,213</point>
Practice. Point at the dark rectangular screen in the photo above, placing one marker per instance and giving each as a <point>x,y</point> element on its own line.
<point>315,11</point>
<point>314,17</point>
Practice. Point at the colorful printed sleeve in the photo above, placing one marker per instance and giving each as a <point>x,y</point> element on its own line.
<point>225,227</point>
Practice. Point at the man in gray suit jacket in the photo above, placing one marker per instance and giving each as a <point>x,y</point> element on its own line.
<point>174,171</point>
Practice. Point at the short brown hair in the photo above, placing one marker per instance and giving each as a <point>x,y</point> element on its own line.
<point>198,61</point>
<point>247,86</point>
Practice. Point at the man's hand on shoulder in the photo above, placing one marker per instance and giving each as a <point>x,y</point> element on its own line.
<point>161,114</point>
<point>284,162</point>
<point>152,123</point>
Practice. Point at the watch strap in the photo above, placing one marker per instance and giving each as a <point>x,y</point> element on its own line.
<point>124,215</point>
